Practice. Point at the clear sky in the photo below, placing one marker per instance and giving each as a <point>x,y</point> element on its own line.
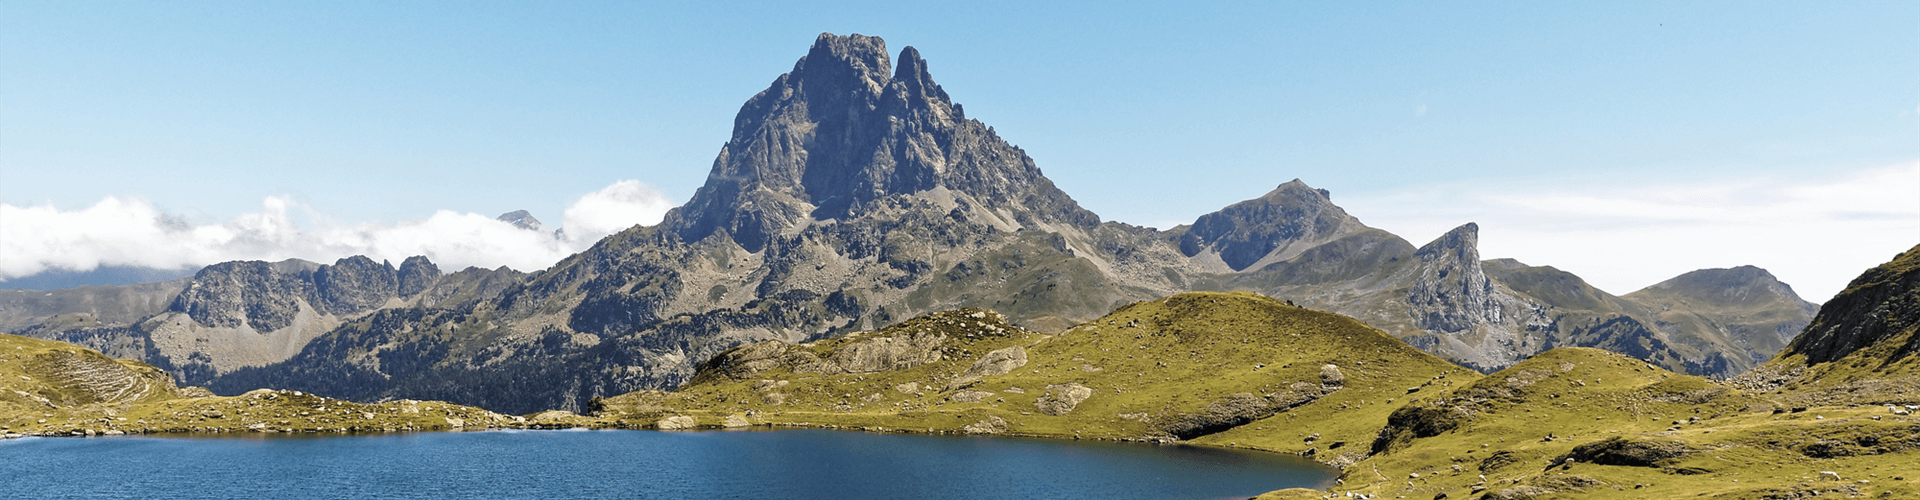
<point>1624,141</point>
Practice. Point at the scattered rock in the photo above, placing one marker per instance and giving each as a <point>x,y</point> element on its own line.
<point>971,396</point>
<point>908,388</point>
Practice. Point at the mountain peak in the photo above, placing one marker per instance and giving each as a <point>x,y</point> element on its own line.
<point>838,60</point>
<point>521,219</point>
<point>1462,243</point>
<point>1729,286</point>
<point>837,134</point>
<point>1279,225</point>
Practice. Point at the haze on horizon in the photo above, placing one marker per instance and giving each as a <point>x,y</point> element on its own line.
<point>1627,143</point>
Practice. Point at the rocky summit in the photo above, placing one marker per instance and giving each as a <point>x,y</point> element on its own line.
<point>854,193</point>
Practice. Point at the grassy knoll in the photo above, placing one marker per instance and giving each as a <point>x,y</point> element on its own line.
<point>56,388</point>
<point>1231,369</point>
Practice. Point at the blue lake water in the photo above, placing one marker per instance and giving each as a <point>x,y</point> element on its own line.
<point>636,464</point>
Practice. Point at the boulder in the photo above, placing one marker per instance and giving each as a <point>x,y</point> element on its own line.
<point>1060,399</point>
<point>991,425</point>
<point>997,362</point>
<point>1330,375</point>
<point>676,422</point>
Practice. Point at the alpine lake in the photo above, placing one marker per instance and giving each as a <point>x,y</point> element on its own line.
<point>637,464</point>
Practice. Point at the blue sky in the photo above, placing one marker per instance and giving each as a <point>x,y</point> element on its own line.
<point>1539,120</point>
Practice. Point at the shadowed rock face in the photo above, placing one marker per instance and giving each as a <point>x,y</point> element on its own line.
<point>416,275</point>
<point>1876,316</point>
<point>250,293</point>
<point>355,284</point>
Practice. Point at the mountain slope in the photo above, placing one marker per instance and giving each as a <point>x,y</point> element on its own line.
<point>1861,346</point>
<point>1586,423</point>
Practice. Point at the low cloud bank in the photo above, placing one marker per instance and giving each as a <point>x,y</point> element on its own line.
<point>132,232</point>
<point>1815,231</point>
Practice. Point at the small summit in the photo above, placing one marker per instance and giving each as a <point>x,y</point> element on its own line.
<point>1462,244</point>
<point>1739,285</point>
<point>523,220</point>
<point>1279,225</point>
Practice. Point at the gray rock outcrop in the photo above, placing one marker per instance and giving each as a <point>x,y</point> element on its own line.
<point>996,362</point>
<point>989,425</point>
<point>880,354</point>
<point>676,422</point>
<point>1061,399</point>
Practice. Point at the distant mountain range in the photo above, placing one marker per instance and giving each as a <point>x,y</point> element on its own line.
<point>58,279</point>
<point>854,194</point>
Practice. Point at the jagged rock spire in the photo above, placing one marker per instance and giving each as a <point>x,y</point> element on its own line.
<point>1453,292</point>
<point>840,132</point>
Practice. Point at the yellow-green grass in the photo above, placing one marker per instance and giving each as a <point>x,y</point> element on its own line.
<point>56,388</point>
<point>1149,365</point>
<point>1517,428</point>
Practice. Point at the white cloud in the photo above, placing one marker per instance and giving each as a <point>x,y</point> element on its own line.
<point>614,209</point>
<point>132,232</point>
<point>1814,231</point>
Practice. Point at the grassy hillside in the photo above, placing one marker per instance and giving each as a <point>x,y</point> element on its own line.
<point>1216,368</point>
<point>56,388</point>
<point>1631,430</point>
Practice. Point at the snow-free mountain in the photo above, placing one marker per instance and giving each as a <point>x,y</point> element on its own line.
<point>855,193</point>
